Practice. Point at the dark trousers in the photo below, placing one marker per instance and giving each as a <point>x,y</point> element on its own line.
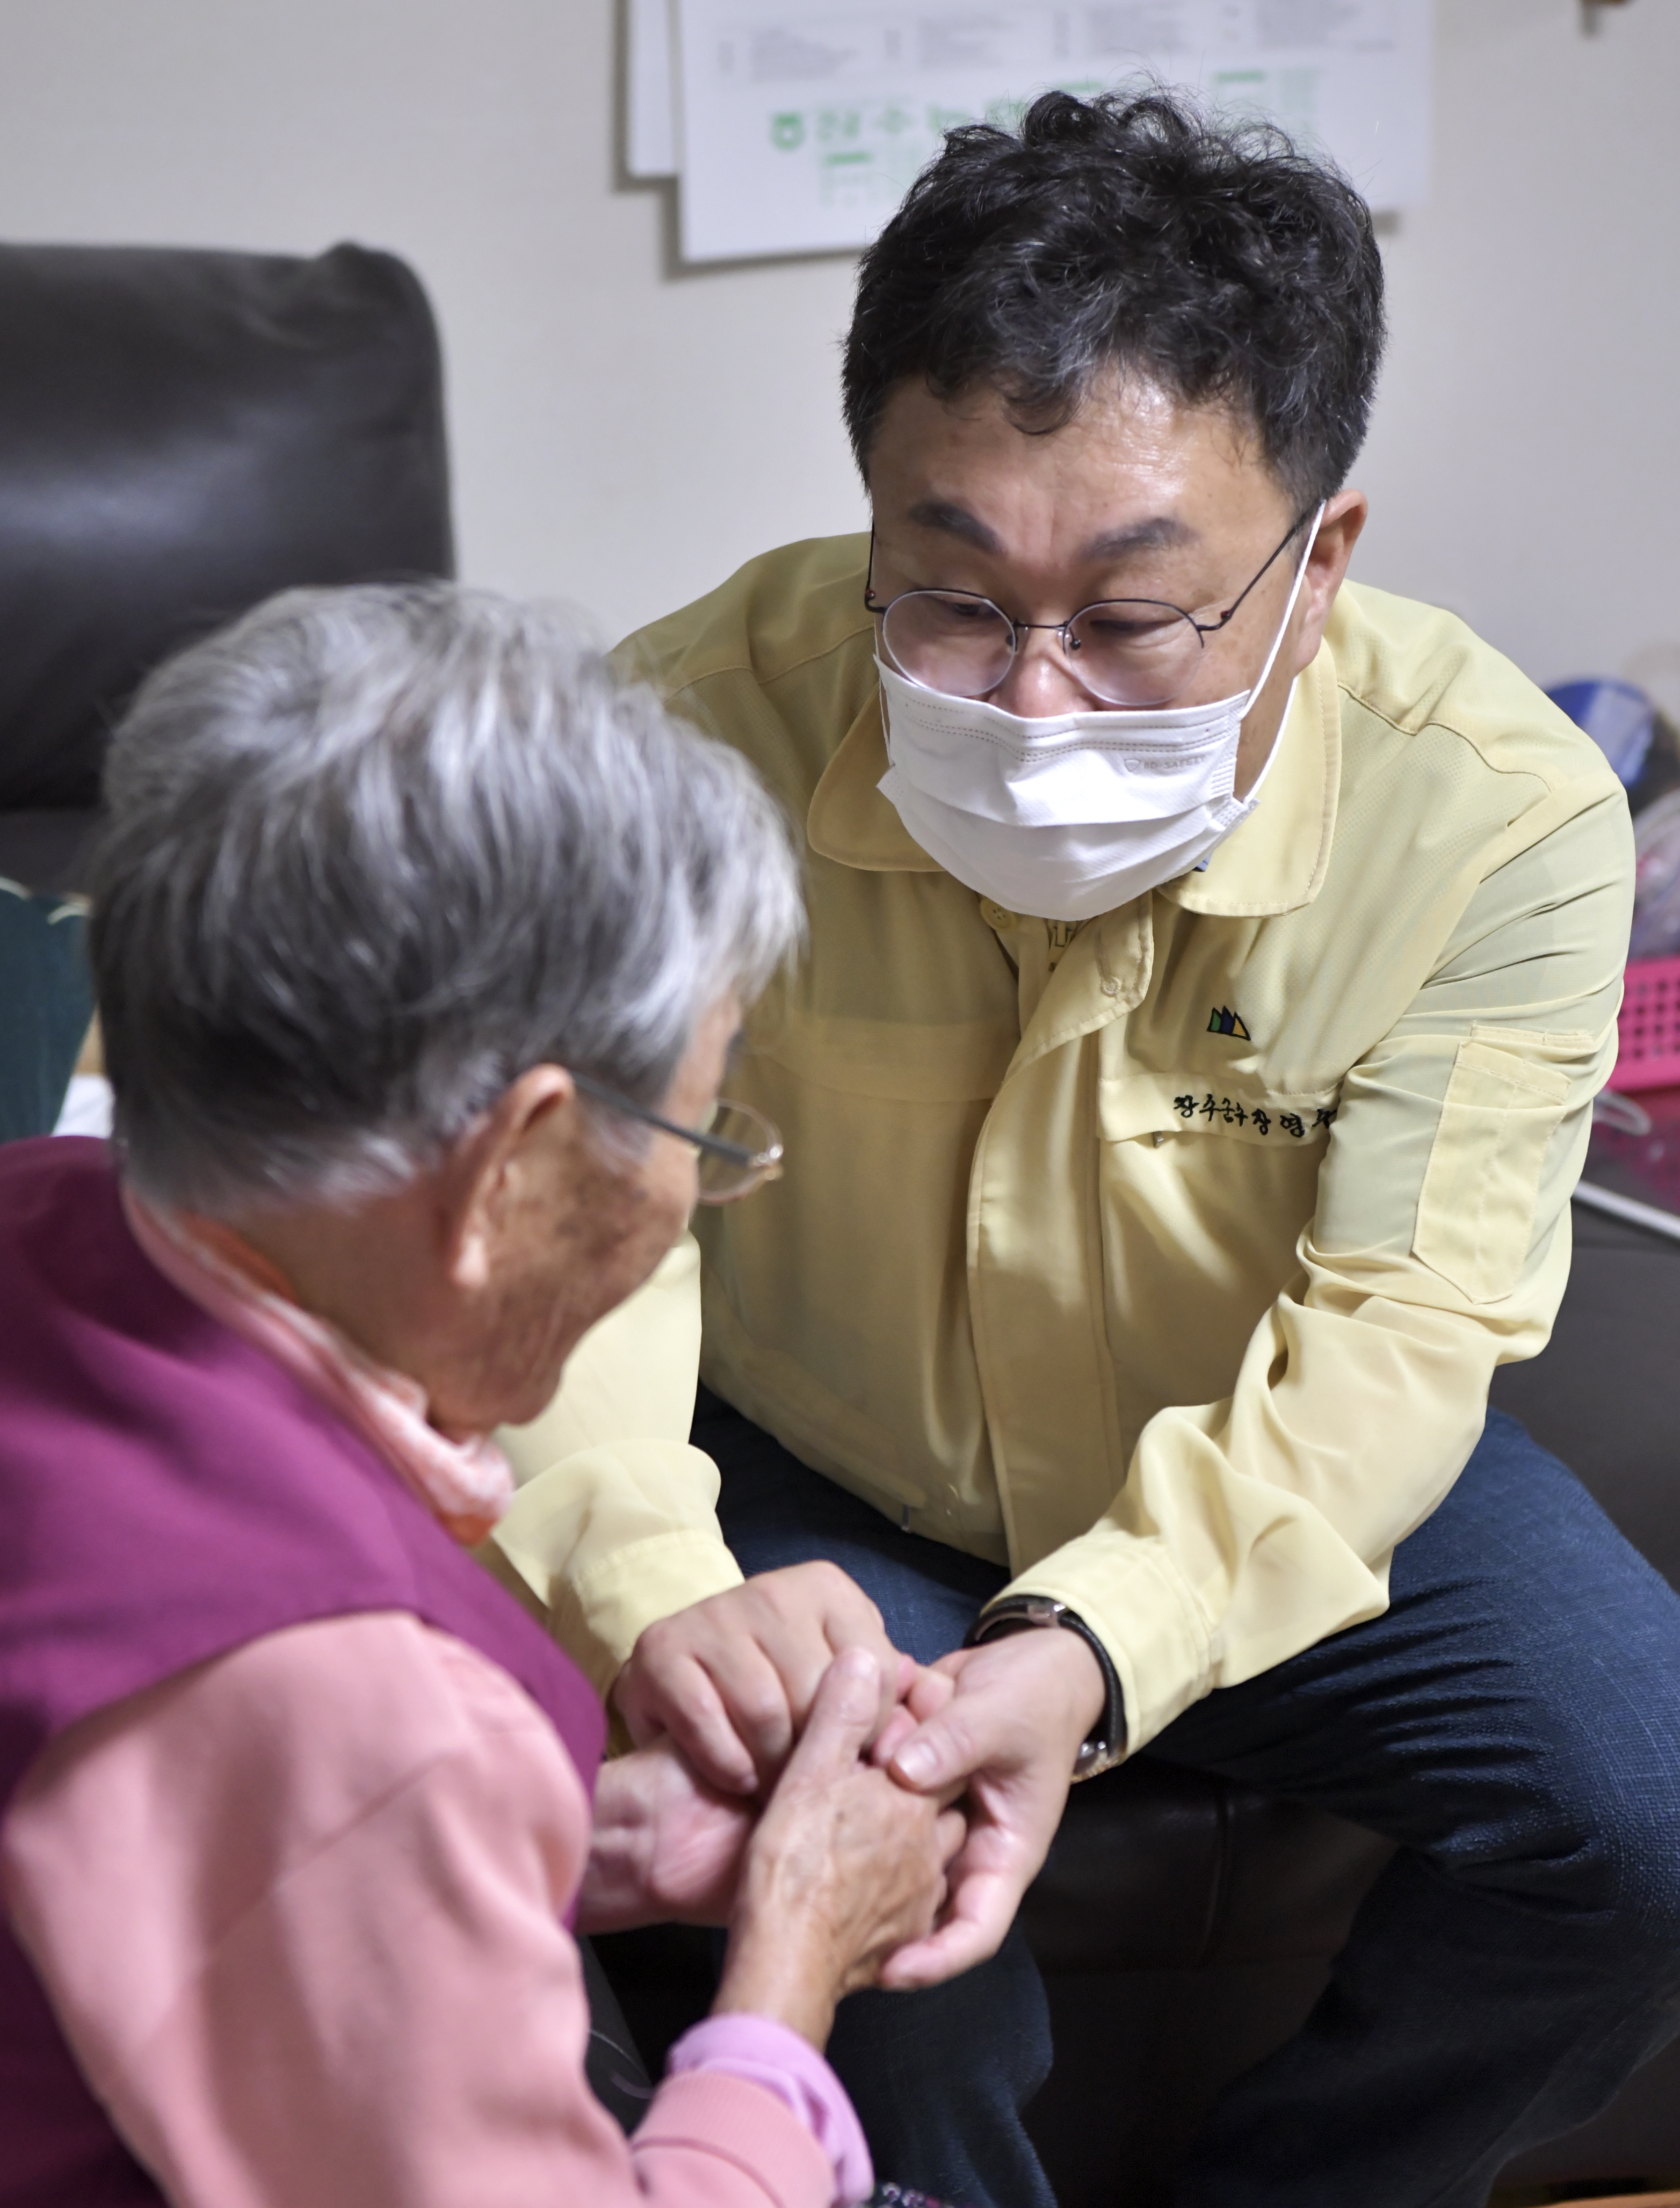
<point>1512,1720</point>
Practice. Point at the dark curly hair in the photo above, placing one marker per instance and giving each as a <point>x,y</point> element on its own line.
<point>1130,231</point>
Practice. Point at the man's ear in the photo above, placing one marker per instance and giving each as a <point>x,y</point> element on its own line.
<point>498,1167</point>
<point>1326,568</point>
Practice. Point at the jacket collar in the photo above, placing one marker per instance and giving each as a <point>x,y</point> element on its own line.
<point>850,819</point>
<point>1274,861</point>
<point>466,1484</point>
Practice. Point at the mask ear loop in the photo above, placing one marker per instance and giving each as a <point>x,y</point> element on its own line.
<point>1294,593</point>
<point>1252,799</point>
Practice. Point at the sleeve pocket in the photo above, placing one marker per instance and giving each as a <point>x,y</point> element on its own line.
<point>1476,1208</point>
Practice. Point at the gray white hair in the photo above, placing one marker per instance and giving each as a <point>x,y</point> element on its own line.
<point>373,853</point>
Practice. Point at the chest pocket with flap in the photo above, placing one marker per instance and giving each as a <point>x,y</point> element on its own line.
<point>906,1062</point>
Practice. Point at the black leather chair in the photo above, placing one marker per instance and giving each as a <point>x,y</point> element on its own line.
<point>181,434</point>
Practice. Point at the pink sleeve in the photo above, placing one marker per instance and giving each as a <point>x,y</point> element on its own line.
<point>774,2055</point>
<point>299,1911</point>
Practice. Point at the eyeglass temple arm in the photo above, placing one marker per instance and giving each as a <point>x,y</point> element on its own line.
<point>1211,628</point>
<point>737,1153</point>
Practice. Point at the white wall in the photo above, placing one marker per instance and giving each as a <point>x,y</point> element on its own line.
<point>1524,464</point>
<point>624,434</point>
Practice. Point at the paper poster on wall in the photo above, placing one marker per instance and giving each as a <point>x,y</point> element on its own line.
<point>650,123</point>
<point>801,122</point>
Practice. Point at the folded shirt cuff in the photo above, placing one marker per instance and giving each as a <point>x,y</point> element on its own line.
<point>773,2055</point>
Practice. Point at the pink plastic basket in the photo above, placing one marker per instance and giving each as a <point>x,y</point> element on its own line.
<point>1649,1052</point>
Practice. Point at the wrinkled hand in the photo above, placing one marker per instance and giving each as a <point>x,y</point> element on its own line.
<point>846,1866</point>
<point>665,1847</point>
<point>1005,1721</point>
<point>732,1679</point>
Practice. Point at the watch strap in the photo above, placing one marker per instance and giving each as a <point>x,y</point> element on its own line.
<point>1105,1745</point>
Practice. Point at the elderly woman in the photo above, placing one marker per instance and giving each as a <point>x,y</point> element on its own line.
<point>419,949</point>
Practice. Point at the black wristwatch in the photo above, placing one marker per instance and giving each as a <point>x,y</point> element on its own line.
<point>1104,1746</point>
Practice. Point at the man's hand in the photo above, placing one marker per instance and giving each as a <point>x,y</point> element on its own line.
<point>732,1679</point>
<point>1008,1718</point>
<point>666,1848</point>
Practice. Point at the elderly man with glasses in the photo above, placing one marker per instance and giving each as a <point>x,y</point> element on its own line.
<point>1212,965</point>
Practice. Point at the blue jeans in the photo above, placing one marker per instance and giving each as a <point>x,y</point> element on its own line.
<point>1512,1720</point>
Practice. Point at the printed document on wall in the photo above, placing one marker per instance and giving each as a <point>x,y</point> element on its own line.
<point>803,123</point>
<point>650,132</point>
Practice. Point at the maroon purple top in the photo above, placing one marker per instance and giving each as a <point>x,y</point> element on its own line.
<point>168,1493</point>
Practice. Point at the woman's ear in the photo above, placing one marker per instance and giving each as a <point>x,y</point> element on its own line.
<point>498,1185</point>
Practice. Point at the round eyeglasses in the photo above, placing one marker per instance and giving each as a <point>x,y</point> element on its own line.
<point>1126,651</point>
<point>740,1150</point>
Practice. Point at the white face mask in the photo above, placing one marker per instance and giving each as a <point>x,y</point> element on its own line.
<point>1070,816</point>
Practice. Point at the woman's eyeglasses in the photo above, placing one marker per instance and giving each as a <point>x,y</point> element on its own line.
<point>740,1150</point>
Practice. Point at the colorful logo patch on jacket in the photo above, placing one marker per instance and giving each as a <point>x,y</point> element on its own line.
<point>1223,1021</point>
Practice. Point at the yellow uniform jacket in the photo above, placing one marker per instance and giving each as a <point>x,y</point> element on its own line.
<point>1165,1258</point>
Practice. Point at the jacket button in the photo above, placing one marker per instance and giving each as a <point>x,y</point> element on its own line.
<point>998,916</point>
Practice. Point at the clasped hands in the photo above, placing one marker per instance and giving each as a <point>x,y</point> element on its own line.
<point>797,1777</point>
